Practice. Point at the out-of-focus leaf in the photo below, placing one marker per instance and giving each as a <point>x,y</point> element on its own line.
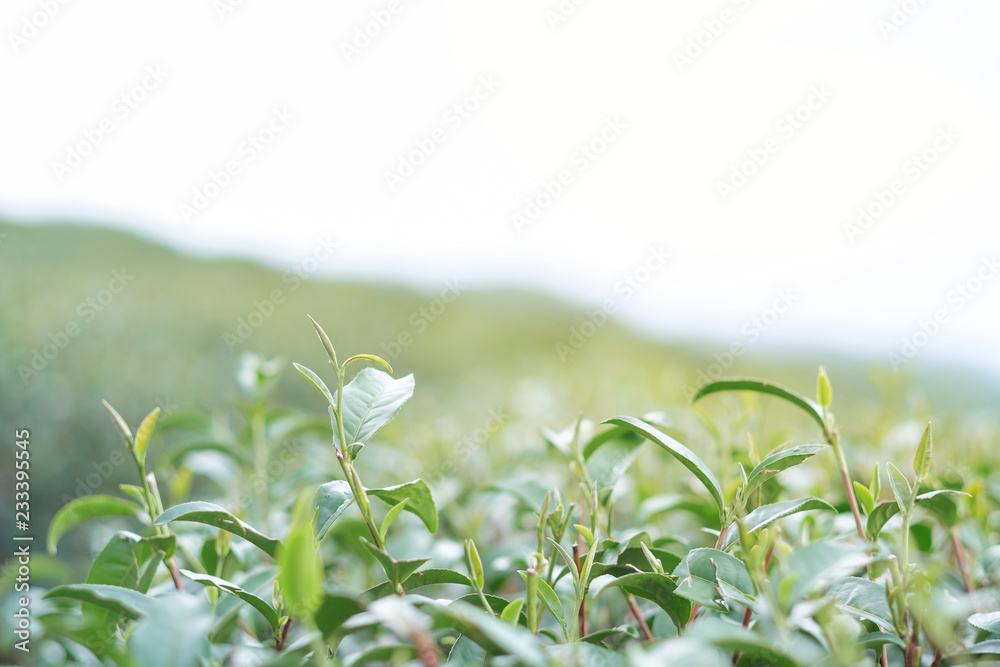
<point>86,508</point>
<point>862,598</point>
<point>810,407</point>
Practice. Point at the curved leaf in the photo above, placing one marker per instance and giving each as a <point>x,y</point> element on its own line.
<point>317,382</point>
<point>330,502</point>
<point>990,622</point>
<point>603,438</point>
<point>888,509</point>
<point>862,598</point>
<point>811,408</point>
<point>689,459</point>
<point>428,577</point>
<point>778,462</point>
<point>86,508</point>
<point>211,514</point>
<point>660,589</point>
<point>266,610</point>
<point>370,402</point>
<point>114,598</point>
<point>707,576</point>
<point>144,433</point>
<point>768,514</point>
<point>421,501</point>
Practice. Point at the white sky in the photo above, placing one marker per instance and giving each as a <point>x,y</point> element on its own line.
<point>681,132</point>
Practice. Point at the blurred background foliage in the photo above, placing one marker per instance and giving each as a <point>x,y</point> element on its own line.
<point>162,342</point>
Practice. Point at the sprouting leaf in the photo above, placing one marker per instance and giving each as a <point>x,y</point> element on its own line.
<point>779,461</point>
<point>421,500</point>
<point>937,502</point>
<point>86,508</point>
<point>212,515</point>
<point>300,569</point>
<point>369,357</point>
<point>330,502</point>
<point>325,340</point>
<point>552,602</point>
<point>475,565</point>
<point>266,610</point>
<point>390,516</point>
<point>811,408</point>
<point>824,395</point>
<point>370,402</point>
<point>901,488</point>
<point>689,459</point>
<point>708,576</point>
<point>512,612</point>
<point>864,497</point>
<point>144,433</point>
<point>122,426</point>
<point>317,382</point>
<point>767,514</point>
<point>925,450</point>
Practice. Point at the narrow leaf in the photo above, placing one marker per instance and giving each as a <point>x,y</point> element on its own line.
<point>144,433</point>
<point>925,450</point>
<point>317,382</point>
<point>213,515</point>
<point>779,461</point>
<point>765,515</point>
<point>810,407</point>
<point>901,489</point>
<point>266,610</point>
<point>86,508</point>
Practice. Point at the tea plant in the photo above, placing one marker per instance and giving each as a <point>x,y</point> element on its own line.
<point>582,566</point>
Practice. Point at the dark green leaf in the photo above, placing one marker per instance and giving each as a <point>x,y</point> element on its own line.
<point>266,610</point>
<point>419,579</point>
<point>659,589</point>
<point>398,571</point>
<point>767,514</point>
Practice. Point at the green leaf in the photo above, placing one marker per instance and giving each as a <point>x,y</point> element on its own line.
<point>144,433</point>
<point>398,571</point>
<point>767,514</point>
<point>552,602</point>
<point>317,382</point>
<point>325,340</point>
<point>119,562</point>
<point>370,402</point>
<point>465,653</point>
<point>937,502</point>
<point>990,622</point>
<point>475,565</point>
<point>150,573</point>
<point>266,610</point>
<point>708,576</point>
<point>512,612</point>
<point>689,459</point>
<point>174,633</point>
<point>86,508</point>
<point>824,394</point>
<point>126,601</point>
<point>390,516</point>
<point>428,577</point>
<point>660,589</point>
<point>489,632</point>
<point>732,637</point>
<point>817,565</point>
<point>300,570</point>
<point>777,462</point>
<point>122,426</point>
<point>330,502</point>
<point>421,501</point>
<point>988,647</point>
<point>863,598</point>
<point>864,497</point>
<point>334,610</point>
<point>925,451</point>
<point>810,407</point>
<point>369,357</point>
<point>901,488</point>
<point>610,435</point>
<point>212,515</point>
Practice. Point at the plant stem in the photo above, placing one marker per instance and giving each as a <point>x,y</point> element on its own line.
<point>960,556</point>
<point>833,438</point>
<point>634,608</point>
